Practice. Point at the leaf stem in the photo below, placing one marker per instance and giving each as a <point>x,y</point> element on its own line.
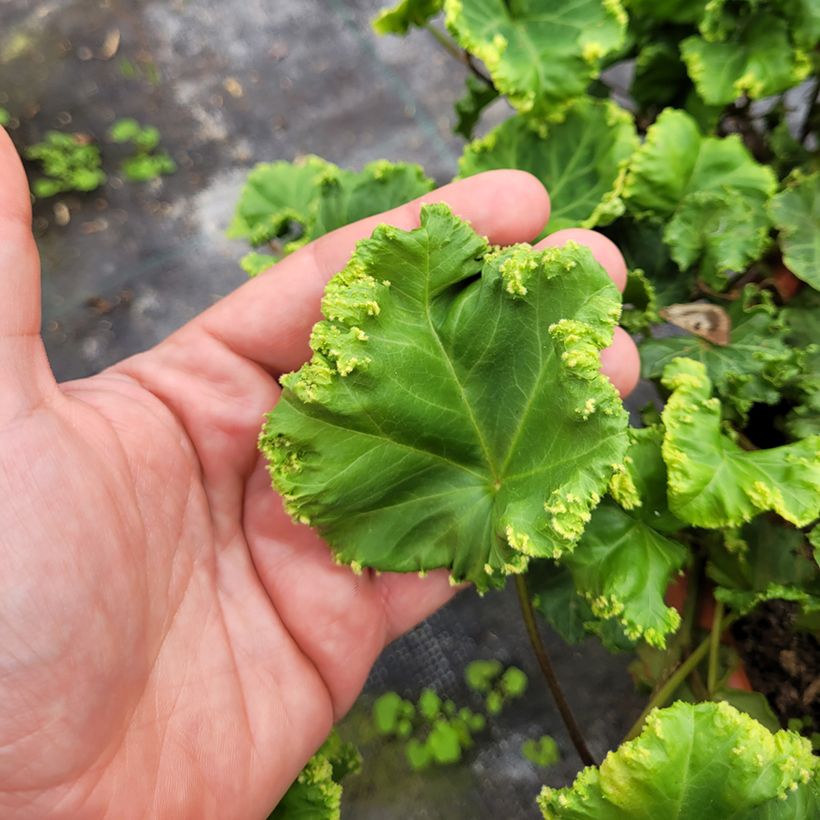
<point>464,57</point>
<point>714,647</point>
<point>665,692</point>
<point>544,662</point>
<point>450,46</point>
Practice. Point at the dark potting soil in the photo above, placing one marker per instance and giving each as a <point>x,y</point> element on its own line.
<point>782,661</point>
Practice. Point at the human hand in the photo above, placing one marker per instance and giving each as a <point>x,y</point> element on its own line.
<point>171,644</point>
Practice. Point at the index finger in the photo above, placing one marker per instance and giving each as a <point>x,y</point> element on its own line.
<point>268,320</point>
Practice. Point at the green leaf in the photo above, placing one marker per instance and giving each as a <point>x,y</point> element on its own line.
<point>690,762</point>
<point>754,704</point>
<point>540,53</point>
<point>300,201</point>
<point>347,196</point>
<point>276,196</point>
<point>710,192</point>
<point>555,597</point>
<point>513,682</point>
<point>480,674</point>
<point>665,11</point>
<point>624,562</point>
<point>581,160</point>
<point>124,130</point>
<point>676,160</point>
<point>255,263</point>
<point>429,704</point>
<point>389,710</point>
<point>5,117</point>
<point>494,703</point>
<point>443,743</point>
<point>542,752</point>
<point>406,14</point>
<point>750,369</point>
<point>795,212</point>
<point>757,60</point>
<point>640,303</point>
<point>392,441</point>
<point>777,562</point>
<point>418,754</point>
<point>715,483</point>
<point>468,109</point>
<point>317,793</point>
<point>724,232</point>
<point>623,568</point>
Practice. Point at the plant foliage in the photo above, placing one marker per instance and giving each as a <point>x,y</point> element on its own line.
<point>452,478</point>
<point>452,414</point>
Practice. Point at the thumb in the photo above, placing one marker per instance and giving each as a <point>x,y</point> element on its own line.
<point>24,374</point>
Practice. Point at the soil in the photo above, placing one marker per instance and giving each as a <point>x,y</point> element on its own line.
<point>781,661</point>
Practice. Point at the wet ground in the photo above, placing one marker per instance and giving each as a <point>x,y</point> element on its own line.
<point>229,84</point>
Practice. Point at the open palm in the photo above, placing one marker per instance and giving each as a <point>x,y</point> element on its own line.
<point>171,645</point>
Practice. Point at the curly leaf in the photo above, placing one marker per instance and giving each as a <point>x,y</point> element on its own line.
<point>468,109</point>
<point>623,568</point>
<point>640,303</point>
<point>399,19</point>
<point>691,762</point>
<point>715,483</point>
<point>349,196</point>
<point>795,212</point>
<point>623,563</point>
<point>392,440</point>
<point>581,160</point>
<point>724,231</point>
<point>555,597</point>
<point>775,562</point>
<point>754,57</point>
<point>317,793</point>
<point>710,192</point>
<point>676,160</point>
<point>300,201</point>
<point>540,53</point>
<point>276,197</point>
<point>750,369</point>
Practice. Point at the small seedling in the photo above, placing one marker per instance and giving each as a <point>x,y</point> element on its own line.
<point>70,162</point>
<point>489,678</point>
<point>542,752</point>
<point>147,162</point>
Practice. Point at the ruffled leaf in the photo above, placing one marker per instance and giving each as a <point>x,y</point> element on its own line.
<point>640,303</point>
<point>755,58</point>
<point>556,598</point>
<point>277,198</point>
<point>698,233</point>
<point>399,19</point>
<point>317,793</point>
<point>581,160</point>
<point>296,202</point>
<point>540,53</point>
<point>774,562</point>
<point>392,440</point>
<point>624,562</point>
<point>713,482</point>
<point>690,762</point>
<point>710,192</point>
<point>795,212</point>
